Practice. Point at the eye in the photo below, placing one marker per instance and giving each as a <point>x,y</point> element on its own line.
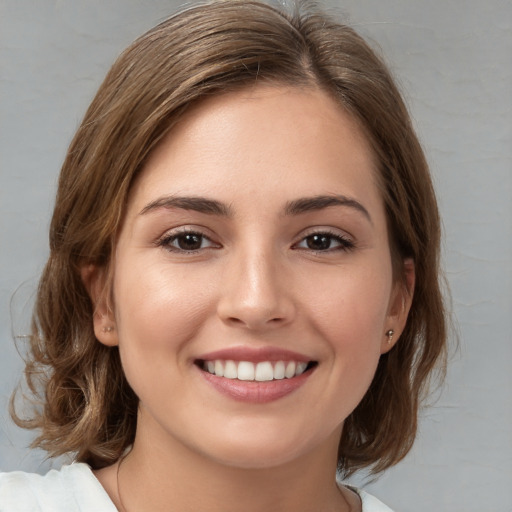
<point>325,242</point>
<point>186,241</point>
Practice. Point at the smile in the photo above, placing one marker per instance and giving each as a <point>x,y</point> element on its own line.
<point>255,375</point>
<point>262,371</point>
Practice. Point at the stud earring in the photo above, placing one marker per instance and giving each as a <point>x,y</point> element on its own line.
<point>110,328</point>
<point>390,334</point>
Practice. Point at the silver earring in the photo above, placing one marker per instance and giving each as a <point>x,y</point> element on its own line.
<point>110,328</point>
<point>390,334</point>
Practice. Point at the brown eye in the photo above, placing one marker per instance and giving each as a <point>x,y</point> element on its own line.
<point>189,241</point>
<point>319,242</point>
<point>186,242</point>
<point>325,242</point>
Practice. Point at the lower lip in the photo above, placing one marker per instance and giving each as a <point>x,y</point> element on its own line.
<point>256,392</point>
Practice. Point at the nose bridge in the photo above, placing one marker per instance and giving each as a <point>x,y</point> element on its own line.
<point>255,292</point>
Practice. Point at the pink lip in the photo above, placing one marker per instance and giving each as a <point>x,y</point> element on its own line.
<point>255,392</point>
<point>254,355</point>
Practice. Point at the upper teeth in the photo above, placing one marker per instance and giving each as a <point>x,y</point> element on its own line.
<point>263,371</point>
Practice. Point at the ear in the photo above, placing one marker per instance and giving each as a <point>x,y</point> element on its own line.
<point>399,306</point>
<point>95,282</point>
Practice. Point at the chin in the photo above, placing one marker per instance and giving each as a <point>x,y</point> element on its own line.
<point>267,451</point>
<point>255,459</point>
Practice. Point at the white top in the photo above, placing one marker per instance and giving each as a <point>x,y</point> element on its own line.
<point>74,488</point>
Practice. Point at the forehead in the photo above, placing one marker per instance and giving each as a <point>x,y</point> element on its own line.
<point>260,142</point>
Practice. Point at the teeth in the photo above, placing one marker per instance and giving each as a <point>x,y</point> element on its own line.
<point>245,371</point>
<point>230,370</point>
<point>264,371</point>
<point>290,370</point>
<point>219,368</point>
<point>301,367</point>
<point>279,370</point>
<point>261,372</point>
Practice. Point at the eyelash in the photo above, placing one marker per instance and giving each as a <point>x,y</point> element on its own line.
<point>169,238</point>
<point>345,244</point>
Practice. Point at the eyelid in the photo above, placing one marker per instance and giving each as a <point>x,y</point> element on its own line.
<point>165,239</point>
<point>346,241</point>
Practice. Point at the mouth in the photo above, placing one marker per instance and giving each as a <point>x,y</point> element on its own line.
<point>262,371</point>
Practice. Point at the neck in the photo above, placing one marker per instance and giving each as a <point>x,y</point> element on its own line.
<point>160,472</point>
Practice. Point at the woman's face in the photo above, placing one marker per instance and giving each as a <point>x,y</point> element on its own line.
<point>255,246</point>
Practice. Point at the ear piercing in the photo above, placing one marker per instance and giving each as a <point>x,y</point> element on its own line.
<point>110,328</point>
<point>390,334</point>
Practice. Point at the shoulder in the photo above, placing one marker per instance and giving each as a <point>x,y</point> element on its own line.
<point>73,488</point>
<point>371,503</point>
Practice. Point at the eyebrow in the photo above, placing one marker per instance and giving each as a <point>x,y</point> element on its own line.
<point>213,207</point>
<point>308,204</point>
<point>198,204</point>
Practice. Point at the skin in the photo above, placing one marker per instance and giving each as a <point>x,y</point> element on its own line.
<point>257,279</point>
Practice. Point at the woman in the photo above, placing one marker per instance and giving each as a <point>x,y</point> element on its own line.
<point>242,295</point>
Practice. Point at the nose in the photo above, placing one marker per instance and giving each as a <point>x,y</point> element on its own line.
<point>256,292</point>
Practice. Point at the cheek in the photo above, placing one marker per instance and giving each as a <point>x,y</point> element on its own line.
<point>350,301</point>
<point>157,312</point>
<point>350,315</point>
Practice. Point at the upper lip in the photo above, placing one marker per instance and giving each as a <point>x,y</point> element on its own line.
<point>254,355</point>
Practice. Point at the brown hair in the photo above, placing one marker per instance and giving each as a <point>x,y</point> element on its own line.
<point>86,405</point>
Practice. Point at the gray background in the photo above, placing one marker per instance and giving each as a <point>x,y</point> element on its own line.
<point>453,59</point>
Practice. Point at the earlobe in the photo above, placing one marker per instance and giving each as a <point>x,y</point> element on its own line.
<point>95,282</point>
<point>400,305</point>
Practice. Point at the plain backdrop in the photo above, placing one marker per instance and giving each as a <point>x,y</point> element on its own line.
<point>453,60</point>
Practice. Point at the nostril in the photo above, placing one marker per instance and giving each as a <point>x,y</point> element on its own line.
<point>246,305</point>
<point>255,323</point>
<point>235,320</point>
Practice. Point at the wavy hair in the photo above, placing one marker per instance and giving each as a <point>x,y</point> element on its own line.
<point>83,403</point>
